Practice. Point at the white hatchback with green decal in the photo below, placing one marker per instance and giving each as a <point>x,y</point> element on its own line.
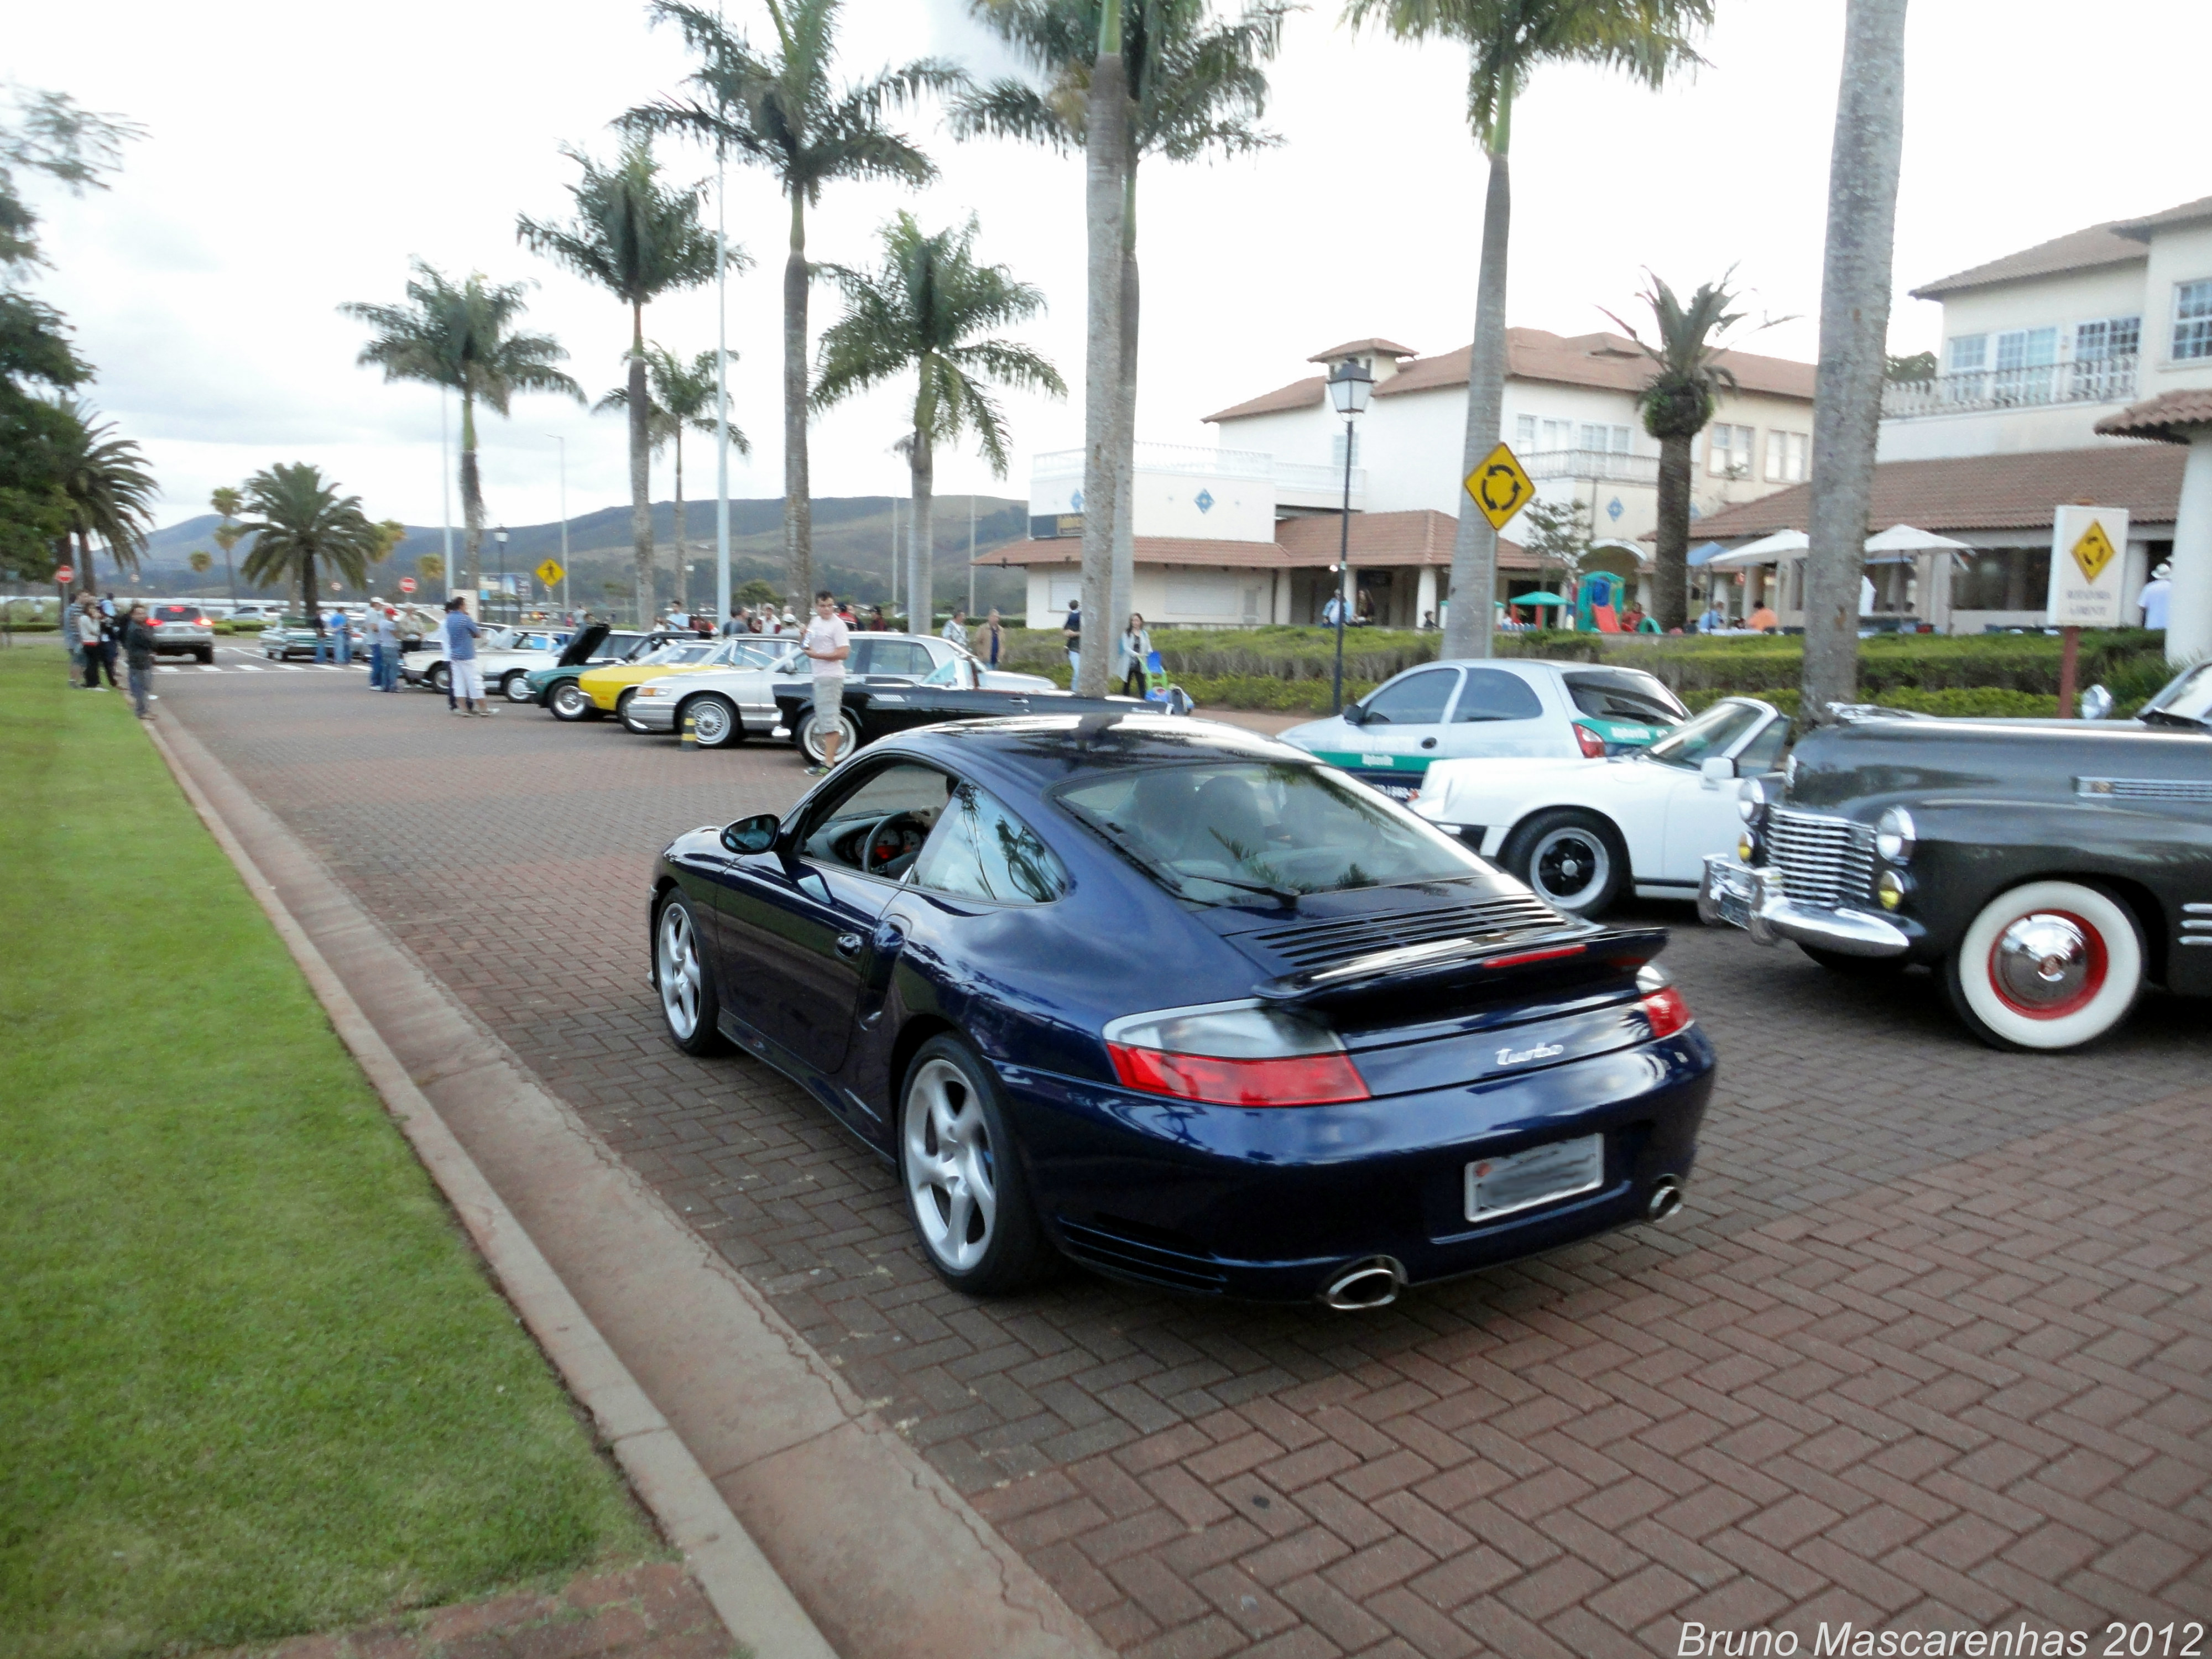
<point>1498,707</point>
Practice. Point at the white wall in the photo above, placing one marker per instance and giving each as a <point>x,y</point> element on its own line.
<point>1996,432</point>
<point>2062,302</point>
<point>2176,255</point>
<point>1205,505</point>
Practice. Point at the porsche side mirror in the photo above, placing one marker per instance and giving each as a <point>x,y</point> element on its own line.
<point>753,835</point>
<point>1717,768</point>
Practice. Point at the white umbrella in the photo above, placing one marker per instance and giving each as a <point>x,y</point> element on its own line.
<point>1767,549</point>
<point>1898,543</point>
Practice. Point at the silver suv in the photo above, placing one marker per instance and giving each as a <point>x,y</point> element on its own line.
<point>183,627</point>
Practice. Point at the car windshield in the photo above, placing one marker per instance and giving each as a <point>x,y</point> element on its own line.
<point>1624,694</point>
<point>1218,830</point>
<point>1713,732</point>
<point>2188,698</point>
<point>674,653</point>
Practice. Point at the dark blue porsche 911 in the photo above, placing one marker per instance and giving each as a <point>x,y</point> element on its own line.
<point>1187,1006</point>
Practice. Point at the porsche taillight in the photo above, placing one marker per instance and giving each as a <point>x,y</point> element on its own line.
<point>1235,1055</point>
<point>1662,1004</point>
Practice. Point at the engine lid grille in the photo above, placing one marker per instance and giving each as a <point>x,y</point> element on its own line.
<point>1306,947</point>
<point>1822,860</point>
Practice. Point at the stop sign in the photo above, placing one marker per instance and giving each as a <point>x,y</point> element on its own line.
<point>407,584</point>
<point>65,573</point>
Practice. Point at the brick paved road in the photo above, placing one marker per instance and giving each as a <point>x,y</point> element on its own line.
<point>1930,1345</point>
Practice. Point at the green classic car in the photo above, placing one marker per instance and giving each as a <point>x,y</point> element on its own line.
<point>596,645</point>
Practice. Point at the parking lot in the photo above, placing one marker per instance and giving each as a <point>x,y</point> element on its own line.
<point>1929,1346</point>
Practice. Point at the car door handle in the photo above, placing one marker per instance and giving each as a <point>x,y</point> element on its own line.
<point>849,945</point>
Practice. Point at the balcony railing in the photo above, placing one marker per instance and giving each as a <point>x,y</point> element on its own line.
<point>1607,464</point>
<point>1197,461</point>
<point>2088,380</point>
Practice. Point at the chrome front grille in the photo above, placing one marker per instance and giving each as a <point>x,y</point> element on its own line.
<point>1821,861</point>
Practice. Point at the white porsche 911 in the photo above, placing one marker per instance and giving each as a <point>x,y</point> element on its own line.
<point>1583,832</point>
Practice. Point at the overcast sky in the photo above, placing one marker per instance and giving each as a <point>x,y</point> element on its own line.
<point>298,156</point>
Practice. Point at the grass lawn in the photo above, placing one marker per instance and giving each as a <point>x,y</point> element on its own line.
<point>253,1380</point>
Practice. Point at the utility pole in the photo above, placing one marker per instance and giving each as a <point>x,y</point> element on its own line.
<point>722,393</point>
<point>446,493</point>
<point>971,557</point>
<point>563,442</point>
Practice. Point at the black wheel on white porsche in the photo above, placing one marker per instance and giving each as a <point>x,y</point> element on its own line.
<point>715,722</point>
<point>569,701</point>
<point>1571,859</point>
<point>515,686</point>
<point>966,1194</point>
<point>808,736</point>
<point>2048,965</point>
<point>441,677</point>
<point>689,1004</point>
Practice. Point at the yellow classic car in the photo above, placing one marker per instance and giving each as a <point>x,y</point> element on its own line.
<point>609,688</point>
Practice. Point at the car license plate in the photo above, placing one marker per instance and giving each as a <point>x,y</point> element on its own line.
<point>1734,906</point>
<point>1540,1175</point>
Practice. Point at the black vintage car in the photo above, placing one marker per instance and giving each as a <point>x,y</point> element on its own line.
<point>875,708</point>
<point>2049,870</point>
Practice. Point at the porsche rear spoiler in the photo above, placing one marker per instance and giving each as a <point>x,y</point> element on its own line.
<point>1474,965</point>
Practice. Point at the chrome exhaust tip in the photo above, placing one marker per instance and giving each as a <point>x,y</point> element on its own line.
<point>1666,1199</point>
<point>1374,1282</point>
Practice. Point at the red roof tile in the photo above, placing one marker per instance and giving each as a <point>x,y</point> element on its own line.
<point>2167,416</point>
<point>1353,348</point>
<point>1983,492</point>
<point>1298,394</point>
<point>1417,538</point>
<point>2077,250</point>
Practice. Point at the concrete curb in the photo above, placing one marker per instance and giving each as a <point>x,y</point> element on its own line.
<point>753,1601</point>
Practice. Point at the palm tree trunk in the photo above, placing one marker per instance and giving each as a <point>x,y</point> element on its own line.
<point>683,572</point>
<point>797,498</point>
<point>1474,549</point>
<point>640,461</point>
<point>1105,203</point>
<point>308,589</point>
<point>921,610</point>
<point>1670,560</point>
<point>1122,598</point>
<point>1855,277</point>
<point>472,513</point>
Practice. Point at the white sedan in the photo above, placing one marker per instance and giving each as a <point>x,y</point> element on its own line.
<point>505,657</point>
<point>1583,832</point>
<point>727,705</point>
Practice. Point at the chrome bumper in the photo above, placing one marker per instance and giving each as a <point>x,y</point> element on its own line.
<point>1746,896</point>
<point>656,716</point>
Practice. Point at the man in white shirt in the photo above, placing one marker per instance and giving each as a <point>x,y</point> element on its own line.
<point>2156,596</point>
<point>829,643</point>
<point>957,629</point>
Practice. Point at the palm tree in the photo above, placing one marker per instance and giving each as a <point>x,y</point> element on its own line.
<point>1507,41</point>
<point>302,519</point>
<point>226,500</point>
<point>923,311</point>
<point>1191,87</point>
<point>1863,164</point>
<point>430,567</point>
<point>678,395</point>
<point>1687,380</point>
<point>638,240</point>
<point>201,560</point>
<point>780,111</point>
<point>462,336</point>
<point>104,478</point>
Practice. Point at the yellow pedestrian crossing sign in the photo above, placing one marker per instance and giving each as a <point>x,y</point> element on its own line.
<point>1500,487</point>
<point>550,573</point>
<point>2094,551</point>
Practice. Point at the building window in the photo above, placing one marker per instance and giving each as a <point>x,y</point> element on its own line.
<point>2192,320</point>
<point>2108,336</point>
<point>1524,433</point>
<point>1603,440</point>
<point>1785,457</point>
<point>1969,352</point>
<point>1336,451</point>
<point>1728,451</point>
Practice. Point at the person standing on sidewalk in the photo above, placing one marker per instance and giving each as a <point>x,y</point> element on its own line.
<point>829,643</point>
<point>1072,633</point>
<point>957,629</point>
<point>138,657</point>
<point>88,639</point>
<point>1133,660</point>
<point>464,684</point>
<point>994,639</point>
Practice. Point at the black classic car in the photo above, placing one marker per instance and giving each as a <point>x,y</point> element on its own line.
<point>2049,870</point>
<point>875,707</point>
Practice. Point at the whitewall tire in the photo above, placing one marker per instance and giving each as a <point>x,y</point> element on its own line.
<point>2048,965</point>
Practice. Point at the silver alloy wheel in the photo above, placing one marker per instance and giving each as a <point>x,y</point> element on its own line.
<point>1568,865</point>
<point>516,687</point>
<point>951,1172</point>
<point>569,701</point>
<point>677,963</point>
<point>711,720</point>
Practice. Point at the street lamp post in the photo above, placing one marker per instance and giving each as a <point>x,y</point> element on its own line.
<point>563,442</point>
<point>1350,385</point>
<point>499,536</point>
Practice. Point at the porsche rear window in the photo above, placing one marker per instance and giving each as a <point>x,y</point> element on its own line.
<point>1214,831</point>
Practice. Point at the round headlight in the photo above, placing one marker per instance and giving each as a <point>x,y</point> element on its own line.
<point>1889,888</point>
<point>1894,836</point>
<point>1750,800</point>
<point>1746,844</point>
